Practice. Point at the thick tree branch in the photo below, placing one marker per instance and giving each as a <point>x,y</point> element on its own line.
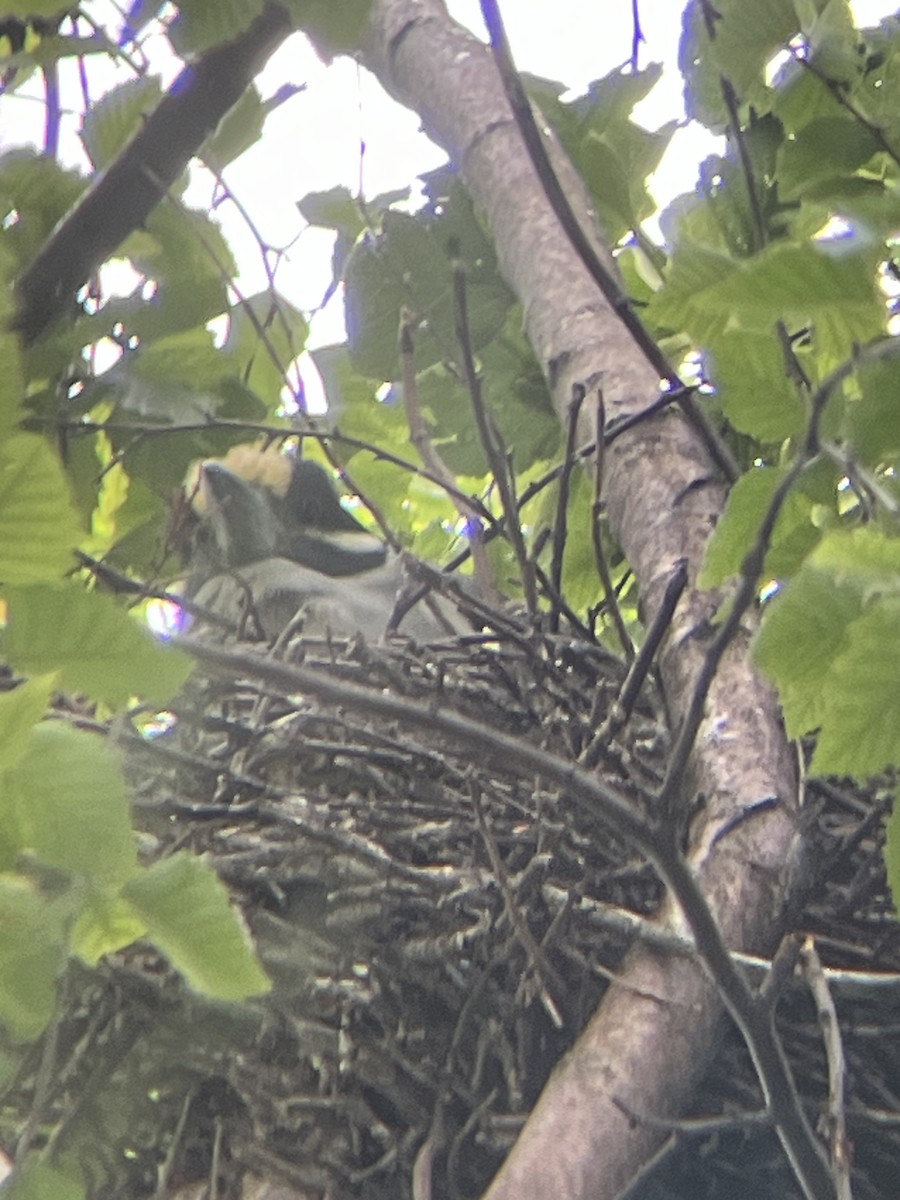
<point>650,1041</point>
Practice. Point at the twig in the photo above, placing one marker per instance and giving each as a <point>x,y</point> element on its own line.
<point>841,98</point>
<point>543,971</point>
<point>51,100</point>
<point>261,429</point>
<point>562,501</point>
<point>611,598</point>
<point>421,439</point>
<point>834,1052</point>
<point>639,669</point>
<point>504,478</point>
<point>731,103</point>
<point>615,297</point>
<point>637,35</point>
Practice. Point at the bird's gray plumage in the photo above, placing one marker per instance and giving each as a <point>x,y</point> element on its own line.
<point>261,558</point>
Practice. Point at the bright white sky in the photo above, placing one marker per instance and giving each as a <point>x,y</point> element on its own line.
<point>313,141</point>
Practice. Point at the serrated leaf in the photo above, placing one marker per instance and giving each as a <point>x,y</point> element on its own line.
<point>188,916</point>
<point>744,39</point>
<point>39,529</point>
<point>615,164</point>
<point>32,949</point>
<point>65,803</point>
<point>861,715</point>
<point>110,122</point>
<point>682,301</point>
<point>185,252</point>
<point>804,629</point>
<point>738,527</point>
<point>20,710</point>
<point>610,184</point>
<point>872,421</point>
<point>824,148</point>
<point>35,184</point>
<point>865,557</point>
<point>188,358</point>
<point>265,336</point>
<point>755,392</point>
<point>353,406</point>
<point>96,647</point>
<point>336,209</point>
<point>802,283</point>
<point>408,267</point>
<point>795,283</point>
<point>834,41</point>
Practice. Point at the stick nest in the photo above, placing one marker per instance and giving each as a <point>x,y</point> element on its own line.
<point>437,933</point>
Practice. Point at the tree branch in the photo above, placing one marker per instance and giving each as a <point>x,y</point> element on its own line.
<point>124,196</point>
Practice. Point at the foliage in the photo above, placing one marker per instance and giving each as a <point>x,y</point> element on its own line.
<point>778,271</point>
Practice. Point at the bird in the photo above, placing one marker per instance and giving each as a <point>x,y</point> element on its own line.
<point>270,541</point>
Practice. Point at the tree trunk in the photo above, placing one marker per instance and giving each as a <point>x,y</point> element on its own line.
<point>648,1044</point>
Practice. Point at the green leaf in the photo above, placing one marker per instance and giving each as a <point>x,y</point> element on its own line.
<point>861,714</point>
<point>408,267</point>
<point>804,630</point>
<point>682,303</point>
<point>36,1179</point>
<point>188,916</point>
<point>111,122</point>
<point>736,532</point>
<point>20,710</point>
<point>266,334</point>
<point>96,647</point>
<point>340,210</point>
<point>332,28</point>
<point>37,185</point>
<point>354,408</point>
<point>803,282</point>
<point>865,557</point>
<point>12,382</point>
<point>336,209</point>
<point>239,129</point>
<point>105,924</point>
<point>185,252</point>
<point>755,392</point>
<point>833,40</point>
<point>872,418</point>
<point>190,357</point>
<point>824,148</point>
<point>745,37</point>
<point>32,949</point>
<point>201,24</point>
<point>65,803</point>
<point>39,529</point>
<point>798,284</point>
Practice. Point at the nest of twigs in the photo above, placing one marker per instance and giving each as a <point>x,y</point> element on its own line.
<point>437,932</point>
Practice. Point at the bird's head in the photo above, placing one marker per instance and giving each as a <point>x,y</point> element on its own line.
<point>256,504</point>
